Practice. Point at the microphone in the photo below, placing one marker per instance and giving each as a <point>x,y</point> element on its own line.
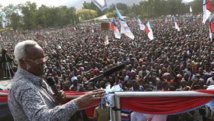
<point>108,72</point>
<point>51,83</point>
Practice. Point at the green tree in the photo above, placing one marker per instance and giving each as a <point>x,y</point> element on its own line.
<point>11,16</point>
<point>15,21</point>
<point>86,14</point>
<point>29,10</point>
<point>123,7</point>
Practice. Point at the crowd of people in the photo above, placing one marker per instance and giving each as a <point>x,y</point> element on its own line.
<point>173,61</point>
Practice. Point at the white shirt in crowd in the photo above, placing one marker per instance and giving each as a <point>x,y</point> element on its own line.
<point>210,81</point>
<point>136,116</point>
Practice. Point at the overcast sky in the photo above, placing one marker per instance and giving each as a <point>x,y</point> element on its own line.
<point>39,2</point>
<point>50,2</point>
<point>186,1</point>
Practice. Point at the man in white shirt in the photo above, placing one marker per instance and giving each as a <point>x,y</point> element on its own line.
<point>137,116</point>
<point>210,81</point>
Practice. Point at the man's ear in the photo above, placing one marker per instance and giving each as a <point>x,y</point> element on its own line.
<point>22,63</point>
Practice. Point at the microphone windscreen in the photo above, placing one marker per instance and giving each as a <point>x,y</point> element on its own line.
<point>50,81</point>
<point>113,70</point>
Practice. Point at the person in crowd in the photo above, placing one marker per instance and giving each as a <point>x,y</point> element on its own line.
<point>210,80</point>
<point>102,112</point>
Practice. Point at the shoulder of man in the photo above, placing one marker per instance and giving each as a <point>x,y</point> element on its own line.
<point>20,84</point>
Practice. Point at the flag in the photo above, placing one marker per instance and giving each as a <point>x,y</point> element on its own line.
<point>101,4</point>
<point>142,26</point>
<point>106,41</point>
<point>149,31</point>
<point>190,9</point>
<point>176,24</point>
<point>206,10</point>
<point>211,30</point>
<point>211,25</point>
<point>115,29</point>
<point>211,35</point>
<point>124,27</point>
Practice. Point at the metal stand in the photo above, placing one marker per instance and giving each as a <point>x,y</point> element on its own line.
<point>7,68</point>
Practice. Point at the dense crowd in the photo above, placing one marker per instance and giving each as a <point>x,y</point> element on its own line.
<point>173,61</point>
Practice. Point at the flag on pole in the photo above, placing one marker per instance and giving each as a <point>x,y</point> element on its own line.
<point>115,29</point>
<point>207,8</point>
<point>124,27</point>
<point>211,35</point>
<point>211,25</point>
<point>190,9</point>
<point>142,26</point>
<point>101,4</point>
<point>149,31</point>
<point>106,41</point>
<point>211,29</point>
<point>176,24</point>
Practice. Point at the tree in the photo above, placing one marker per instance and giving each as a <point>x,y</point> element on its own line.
<point>111,14</point>
<point>29,19</point>
<point>86,14</point>
<point>123,7</point>
<point>15,21</point>
<point>11,16</point>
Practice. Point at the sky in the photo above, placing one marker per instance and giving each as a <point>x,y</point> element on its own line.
<point>186,1</point>
<point>39,2</point>
<point>50,2</point>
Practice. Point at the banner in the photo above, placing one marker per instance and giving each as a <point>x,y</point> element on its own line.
<point>101,4</point>
<point>115,29</point>
<point>149,31</point>
<point>207,8</point>
<point>142,26</point>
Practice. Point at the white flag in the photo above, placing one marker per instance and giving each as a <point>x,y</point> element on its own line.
<point>176,24</point>
<point>142,26</point>
<point>125,30</point>
<point>117,33</point>
<point>206,10</point>
<point>149,31</point>
<point>190,9</point>
<point>106,41</point>
<point>124,27</point>
<point>115,29</point>
<point>211,35</point>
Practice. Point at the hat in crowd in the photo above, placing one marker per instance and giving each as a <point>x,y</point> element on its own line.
<point>74,78</point>
<point>179,76</point>
<point>132,72</point>
<point>81,68</point>
<point>166,74</point>
<point>95,70</point>
<point>198,75</point>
